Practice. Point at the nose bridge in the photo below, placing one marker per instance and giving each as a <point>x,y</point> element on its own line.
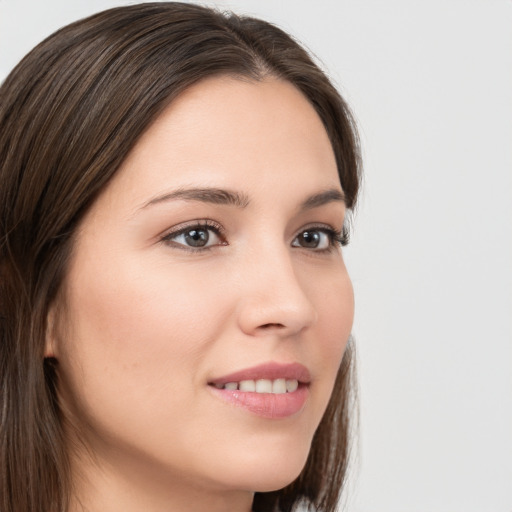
<point>273,297</point>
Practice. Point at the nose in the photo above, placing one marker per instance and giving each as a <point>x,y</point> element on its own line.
<point>273,300</point>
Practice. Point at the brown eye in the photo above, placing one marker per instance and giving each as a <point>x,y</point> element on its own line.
<point>195,237</point>
<point>309,239</point>
<point>316,239</point>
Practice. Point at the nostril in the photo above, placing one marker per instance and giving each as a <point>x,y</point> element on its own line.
<point>270,326</point>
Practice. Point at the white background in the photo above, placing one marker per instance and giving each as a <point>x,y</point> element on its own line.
<point>431,259</point>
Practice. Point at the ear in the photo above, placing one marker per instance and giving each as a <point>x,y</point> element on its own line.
<point>50,344</point>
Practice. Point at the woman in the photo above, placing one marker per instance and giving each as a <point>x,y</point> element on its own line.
<point>174,305</point>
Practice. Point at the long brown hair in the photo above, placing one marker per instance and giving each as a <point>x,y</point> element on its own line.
<point>70,112</point>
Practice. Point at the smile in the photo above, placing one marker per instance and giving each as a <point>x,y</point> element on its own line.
<point>271,390</point>
<point>277,386</point>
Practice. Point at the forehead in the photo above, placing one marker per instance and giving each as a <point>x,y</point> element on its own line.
<point>234,133</point>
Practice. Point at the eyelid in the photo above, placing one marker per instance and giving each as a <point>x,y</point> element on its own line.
<point>337,237</point>
<point>206,224</point>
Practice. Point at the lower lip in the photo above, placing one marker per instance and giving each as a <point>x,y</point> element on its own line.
<point>266,405</point>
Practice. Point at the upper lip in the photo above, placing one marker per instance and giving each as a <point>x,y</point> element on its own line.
<point>270,371</point>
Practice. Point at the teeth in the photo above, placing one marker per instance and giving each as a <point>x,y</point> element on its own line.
<point>291,385</point>
<point>277,387</point>
<point>247,385</point>
<point>263,386</point>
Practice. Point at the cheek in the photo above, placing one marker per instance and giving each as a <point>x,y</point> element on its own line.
<point>142,332</point>
<point>341,315</point>
<point>334,299</point>
<point>335,319</point>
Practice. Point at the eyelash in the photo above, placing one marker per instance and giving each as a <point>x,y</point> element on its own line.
<point>339,237</point>
<point>336,238</point>
<point>206,225</point>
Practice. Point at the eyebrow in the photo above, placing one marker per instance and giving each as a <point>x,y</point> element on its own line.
<point>327,196</point>
<point>205,195</point>
<point>240,200</point>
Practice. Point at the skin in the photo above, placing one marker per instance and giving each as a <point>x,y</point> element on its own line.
<point>144,324</point>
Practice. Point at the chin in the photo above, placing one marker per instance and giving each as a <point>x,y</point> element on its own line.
<point>271,472</point>
<point>269,483</point>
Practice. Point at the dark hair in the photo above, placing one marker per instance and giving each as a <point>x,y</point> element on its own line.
<point>70,113</point>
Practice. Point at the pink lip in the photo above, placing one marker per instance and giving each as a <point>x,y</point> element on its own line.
<point>269,371</point>
<point>266,405</point>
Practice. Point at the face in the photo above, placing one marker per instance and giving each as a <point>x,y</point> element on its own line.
<point>207,305</point>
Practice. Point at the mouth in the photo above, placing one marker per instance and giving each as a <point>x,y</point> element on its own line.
<point>271,390</point>
<point>272,372</point>
<point>276,387</point>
